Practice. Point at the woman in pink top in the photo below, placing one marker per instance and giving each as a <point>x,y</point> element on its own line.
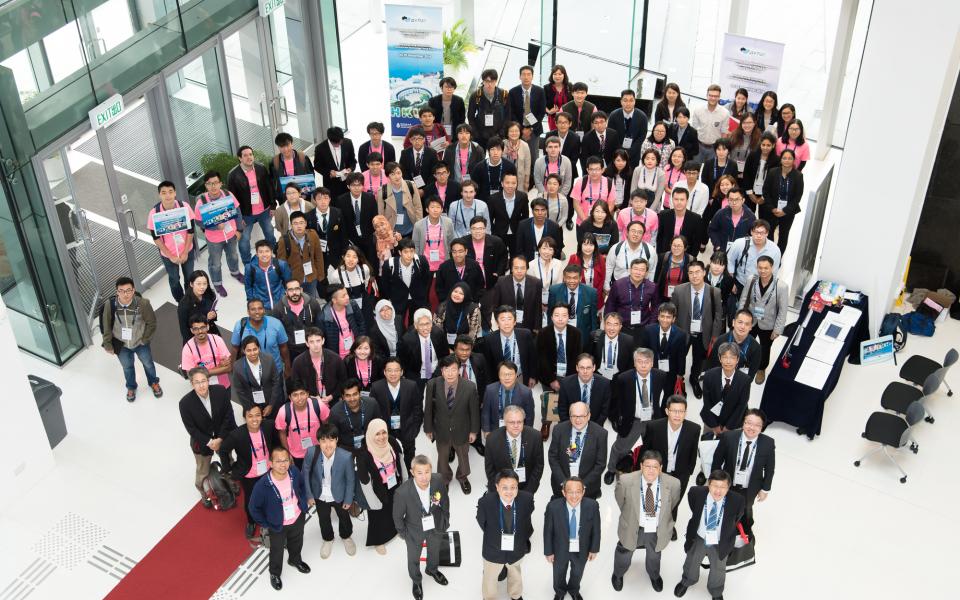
<point>176,247</point>
<point>672,174</point>
<point>363,364</point>
<point>591,187</point>
<point>251,445</point>
<point>794,140</point>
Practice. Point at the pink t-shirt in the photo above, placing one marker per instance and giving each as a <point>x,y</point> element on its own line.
<point>678,226</point>
<point>176,243</point>
<point>601,191</point>
<point>211,354</point>
<point>256,207</point>
<point>386,470</point>
<point>478,252</point>
<point>218,235</point>
<point>434,246</point>
<point>373,183</point>
<point>553,167</point>
<point>304,425</point>
<point>649,219</point>
<point>802,151</point>
<point>736,218</point>
<point>288,166</point>
<point>364,370</point>
<point>464,155</point>
<point>318,367</point>
<point>289,499</point>
<point>442,192</point>
<point>346,334</point>
<point>260,454</point>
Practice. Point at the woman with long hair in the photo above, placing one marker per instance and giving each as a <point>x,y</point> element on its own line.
<point>767,114</point>
<point>593,268</point>
<point>199,298</point>
<point>673,173</point>
<point>620,172</point>
<point>667,107</point>
<point>744,140</point>
<point>759,162</point>
<point>787,114</point>
<point>660,141</point>
<point>364,364</point>
<point>601,225</point>
<point>794,139</point>
<point>557,93</point>
<point>782,191</point>
<point>740,107</point>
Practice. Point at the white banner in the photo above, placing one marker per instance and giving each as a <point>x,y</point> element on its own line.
<point>749,63</point>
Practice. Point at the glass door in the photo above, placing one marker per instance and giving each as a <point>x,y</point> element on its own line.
<point>253,95</point>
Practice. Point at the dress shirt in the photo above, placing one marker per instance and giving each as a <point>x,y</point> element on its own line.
<point>610,360</point>
<point>326,493</point>
<point>335,152</point>
<point>708,505</point>
<point>585,387</point>
<point>424,342</point>
<point>742,449</point>
<point>406,273</point>
<point>255,370</point>
<point>579,509</point>
<point>206,403</point>
<point>424,496</point>
<point>510,440</point>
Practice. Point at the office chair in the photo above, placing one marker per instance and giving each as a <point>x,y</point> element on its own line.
<point>891,431</point>
<point>918,368</point>
<point>898,396</point>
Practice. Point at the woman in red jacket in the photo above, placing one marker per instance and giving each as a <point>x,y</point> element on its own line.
<point>593,267</point>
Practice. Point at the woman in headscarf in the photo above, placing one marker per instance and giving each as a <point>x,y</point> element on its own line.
<point>385,330</point>
<point>386,238</point>
<point>379,465</point>
<point>458,314</point>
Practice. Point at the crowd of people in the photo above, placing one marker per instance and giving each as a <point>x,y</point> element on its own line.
<point>428,289</point>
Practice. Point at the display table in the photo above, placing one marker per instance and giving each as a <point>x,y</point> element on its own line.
<point>785,399</point>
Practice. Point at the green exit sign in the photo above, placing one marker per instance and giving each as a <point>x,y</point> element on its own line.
<point>268,6</point>
<point>107,112</point>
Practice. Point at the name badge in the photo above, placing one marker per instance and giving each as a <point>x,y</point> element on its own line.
<point>758,188</point>
<point>466,176</point>
<point>288,512</point>
<point>214,380</point>
<point>307,268</point>
<point>561,369</point>
<point>451,338</point>
<point>259,397</point>
<point>254,197</point>
<point>488,120</point>
<point>506,542</point>
<point>426,523</point>
<point>575,545</point>
<point>713,537</point>
<point>636,317</point>
<point>501,423</point>
<point>418,181</point>
<point>519,315</point>
<point>299,336</point>
<point>717,408</point>
<point>228,227</point>
<point>347,341</point>
<point>392,481</point>
<point>126,334</point>
<point>744,370</point>
<point>758,312</point>
<point>740,478</point>
<point>521,474</point>
<point>648,523</point>
<point>306,442</point>
<point>580,135</point>
<point>323,245</point>
<point>740,164</point>
<point>670,289</point>
<point>261,466</point>
<point>530,119</point>
<point>394,421</point>
<point>178,238</point>
<point>364,394</point>
<point>401,219</point>
<point>646,413</point>
<point>608,372</point>
<point>663,364</point>
<point>575,469</point>
<point>696,326</point>
<point>357,441</point>
<point>627,142</point>
<point>434,255</point>
<point>781,204</point>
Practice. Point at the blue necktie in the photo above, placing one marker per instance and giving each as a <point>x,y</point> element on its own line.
<point>507,350</point>
<point>561,351</point>
<point>573,524</point>
<point>609,354</point>
<point>584,397</point>
<point>712,517</point>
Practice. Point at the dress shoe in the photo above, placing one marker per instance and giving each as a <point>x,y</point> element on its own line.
<point>559,596</point>
<point>478,446</point>
<point>680,590</point>
<point>720,597</point>
<point>325,549</point>
<point>249,530</point>
<point>300,566</point>
<point>418,591</point>
<point>673,536</point>
<point>617,582</point>
<point>503,574</point>
<point>697,390</point>
<point>465,486</point>
<point>657,584</point>
<point>608,477</point>
<point>761,375</point>
<point>275,582</point>
<point>438,577</point>
<point>576,596</point>
<point>350,546</point>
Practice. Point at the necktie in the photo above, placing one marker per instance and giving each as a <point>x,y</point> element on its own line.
<point>508,519</point>
<point>427,359</point>
<point>649,506</point>
<point>526,102</point>
<point>573,524</point>
<point>323,223</point>
<point>712,518</point>
<point>603,140</point>
<point>726,388</point>
<point>609,354</point>
<point>513,452</point>
<point>584,396</point>
<point>356,212</point>
<point>626,126</point>
<point>519,296</point>
<point>449,398</point>
<point>507,350</point>
<point>746,456</point>
<point>644,394</point>
<point>663,341</point>
<point>697,306</point>
<point>419,161</point>
<point>464,372</point>
<point>561,351</point>
<point>576,442</point>
<point>573,302</point>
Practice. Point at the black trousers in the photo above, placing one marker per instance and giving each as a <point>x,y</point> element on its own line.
<point>298,461</point>
<point>247,484</point>
<point>783,225</point>
<point>290,536</point>
<point>699,354</point>
<point>749,497</point>
<point>409,448</point>
<point>561,583</point>
<point>344,524</point>
<point>765,344</point>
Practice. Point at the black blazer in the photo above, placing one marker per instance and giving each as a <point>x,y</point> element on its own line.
<point>598,342</point>
<point>363,153</point>
<point>623,408</point>
<point>323,163</point>
<point>734,403</point>
<point>569,147</point>
<point>775,185</point>
<point>538,106</point>
<point>408,350</point>
<point>447,276</point>
<point>451,195</point>
<point>505,293</point>
<point>637,133</point>
<point>732,513</point>
<point>238,185</point>
<point>655,438</point>
<point>500,220</point>
<point>336,235</point>
<point>451,157</point>
<point>690,142</point>
<point>458,111</point>
<point>380,346</point>
<point>271,383</point>
<point>556,530</point>
<point>393,287</point>
<point>203,427</point>
<point>750,354</point>
<point>711,172</point>
<point>376,370</point>
<point>409,406</point>
<point>409,167</point>
<point>497,457</point>
<point>547,352</point>
<point>494,257</point>
<point>752,165</point>
<point>482,375</point>
<point>664,263</point>
<point>761,475</point>
<point>493,352</point>
<point>527,239</point>
<point>238,442</point>
<point>593,457</point>
<point>345,422</point>
<point>692,229</point>
<point>334,372</point>
<point>369,472</point>
<point>599,397</point>
<point>368,210</point>
<point>489,179</point>
<point>488,517</point>
<point>676,351</point>
<point>590,146</point>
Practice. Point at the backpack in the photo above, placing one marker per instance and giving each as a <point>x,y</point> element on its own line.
<point>287,412</point>
<point>917,323</point>
<point>217,490</point>
<point>892,324</point>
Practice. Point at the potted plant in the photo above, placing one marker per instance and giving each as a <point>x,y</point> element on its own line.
<point>222,162</point>
<point>457,43</point>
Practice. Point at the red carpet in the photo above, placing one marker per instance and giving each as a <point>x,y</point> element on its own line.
<point>192,560</point>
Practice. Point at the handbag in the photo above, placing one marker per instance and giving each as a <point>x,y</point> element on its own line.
<point>450,554</point>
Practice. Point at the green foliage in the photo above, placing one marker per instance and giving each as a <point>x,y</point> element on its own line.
<point>457,43</point>
<point>222,162</point>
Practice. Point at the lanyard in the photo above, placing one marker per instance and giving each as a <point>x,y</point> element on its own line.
<point>549,269</point>
<point>611,356</point>
<point>643,177</point>
<point>743,346</point>
<point>296,420</point>
<point>439,239</point>
<point>499,174</point>
<point>463,165</point>
<point>276,490</point>
<point>583,439</point>
<point>515,354</point>
<point>199,355</point>
<point>363,417</point>
<point>588,273</point>
<point>460,318</point>
<point>717,169</point>
<point>259,381</point>
<point>514,511</point>
<point>723,505</point>
<point>263,445</point>
<point>630,293</point>
<point>558,219</point>
<point>656,503</point>
<point>590,189</point>
<point>345,278</point>
<point>502,405</point>
<point>394,400</point>
<point>636,380</point>
<point>337,320</point>
<point>521,457</point>
<point>463,220</point>
<point>366,381</point>
<point>784,195</point>
<point>752,454</point>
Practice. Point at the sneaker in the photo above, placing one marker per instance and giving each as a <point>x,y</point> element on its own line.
<point>221,290</point>
<point>157,391</point>
<point>350,546</point>
<point>326,549</point>
<point>131,395</point>
<point>237,276</point>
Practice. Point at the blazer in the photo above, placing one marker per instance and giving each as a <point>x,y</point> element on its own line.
<point>394,289</point>
<point>497,457</point>
<point>451,158</point>
<point>265,505</point>
<point>340,417</point>
<point>538,107</point>
<point>323,163</point>
<point>625,348</point>
<point>493,352</point>
<point>527,240</point>
<point>331,325</point>
<point>420,236</point>
<point>751,168</point>
<point>368,472</point>
<point>676,351</point>
<point>750,353</point>
<point>722,231</point>
<point>587,309</point>
<point>599,274</point>
<point>590,146</point>
<point>629,493</point>
<point>655,437</point>
<point>200,425</point>
<point>494,257</point>
<point>712,322</point>
<point>409,167</point>
<point>732,514</point>
<point>688,141</point>
<point>387,203</point>
<point>458,111</point>
<point>637,131</point>
<point>447,275</point>
<point>243,383</point>
<point>505,293</point>
<point>763,464</point>
<point>664,265</point>
<point>238,442</point>
<point>710,172</point>
<point>776,187</point>
<point>692,229</point>
<point>488,517</point>
<point>239,186</point>
<point>583,118</point>
<point>342,474</point>
<point>569,147</point>
<point>773,303</point>
<point>409,406</point>
<point>593,457</point>
<point>570,392</point>
<point>479,373</point>
<point>500,221</point>
<point>734,402</point>
<point>368,210</point>
<point>450,194</point>
<point>388,152</point>
<point>451,426</point>
<point>556,529</point>
<point>547,353</point>
<point>334,373</point>
<point>468,317</point>
<point>409,351</point>
<point>489,180</point>
<point>619,300</point>
<point>490,407</point>
<point>623,409</point>
<point>408,511</point>
<point>725,285</point>
<point>336,235</point>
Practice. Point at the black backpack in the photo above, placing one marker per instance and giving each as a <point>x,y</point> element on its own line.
<point>218,490</point>
<point>892,325</point>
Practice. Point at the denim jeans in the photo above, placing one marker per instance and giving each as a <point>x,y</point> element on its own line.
<point>173,274</point>
<point>130,372</point>
<point>310,288</point>
<point>214,252</point>
<point>266,226</point>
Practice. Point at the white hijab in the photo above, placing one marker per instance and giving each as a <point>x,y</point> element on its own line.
<point>388,327</point>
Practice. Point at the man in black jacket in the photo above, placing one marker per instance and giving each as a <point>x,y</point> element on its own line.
<point>578,448</point>
<point>207,416</point>
<point>726,391</point>
<point>585,386</point>
<point>418,160</point>
<point>334,158</point>
<point>250,184</point>
<point>612,350</point>
<point>286,163</point>
<point>352,415</point>
<point>424,341</point>
<point>333,231</point>
<point>632,123</point>
<point>507,208</point>
<point>400,406</point>
<point>692,227</point>
<point>512,343</point>
<point>531,231</point>
<point>638,393</point>
<point>571,537</point>
<point>528,106</point>
<point>668,342</point>
<point>522,292</point>
<point>459,267</point>
<point>325,384</point>
<point>515,447</point>
<point>405,280</point>
<point>461,170</point>
<point>505,517</point>
<point>359,225</point>
<point>600,141</point>
<point>489,107</point>
<point>448,102</point>
<point>748,457</point>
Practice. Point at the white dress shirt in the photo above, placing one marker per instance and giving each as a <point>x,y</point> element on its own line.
<point>326,492</point>
<point>673,438</point>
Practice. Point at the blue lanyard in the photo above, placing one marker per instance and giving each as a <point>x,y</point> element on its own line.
<point>499,174</point>
<point>630,292</point>
<point>723,505</point>
<point>753,452</point>
<point>540,268</point>
<point>276,490</point>
<point>784,195</point>
<point>263,445</point>
<point>743,346</point>
<point>296,420</point>
<point>502,405</point>
<point>439,239</point>
<point>463,221</point>
<point>514,515</point>
<point>521,459</point>
<point>346,412</point>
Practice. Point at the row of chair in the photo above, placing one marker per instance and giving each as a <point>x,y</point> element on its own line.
<point>908,404</point>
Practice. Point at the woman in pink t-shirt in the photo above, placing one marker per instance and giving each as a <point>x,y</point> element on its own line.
<point>794,139</point>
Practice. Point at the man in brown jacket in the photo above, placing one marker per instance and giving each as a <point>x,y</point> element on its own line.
<point>128,323</point>
<point>302,250</point>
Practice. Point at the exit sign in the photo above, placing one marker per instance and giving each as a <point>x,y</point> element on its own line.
<point>107,112</point>
<point>268,6</point>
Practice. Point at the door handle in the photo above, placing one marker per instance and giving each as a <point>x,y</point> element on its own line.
<point>263,117</point>
<point>131,220</point>
<point>284,115</point>
<point>84,224</point>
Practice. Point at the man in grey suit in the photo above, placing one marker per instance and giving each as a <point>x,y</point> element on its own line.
<point>700,315</point>
<point>571,536</point>
<point>451,418</point>
<point>421,512</point>
<point>578,448</point>
<point>647,499</point>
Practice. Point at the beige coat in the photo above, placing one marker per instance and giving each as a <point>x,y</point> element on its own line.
<point>411,203</point>
<point>281,216</point>
<point>522,164</point>
<point>630,500</point>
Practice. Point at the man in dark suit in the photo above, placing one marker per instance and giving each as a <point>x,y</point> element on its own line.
<point>516,447</point>
<point>671,356</point>
<point>418,160</point>
<point>726,392</point>
<point>376,144</point>
<point>571,537</point>
<point>405,280</point>
<point>488,174</point>
<point>459,267</point>
<point>473,367</point>
<point>505,517</point>
<point>585,386</point>
<point>632,123</point>
<point>442,187</point>
<point>683,135</point>
<point>421,513</point>
<point>421,348</point>
<point>711,532</point>
<point>512,343</point>
<point>520,291</point>
<point>557,348</point>
<point>612,350</point>
<point>676,439</point>
<point>493,252</point>
<point>638,393</point>
<point>507,208</point>
<point>399,403</point>
<point>528,106</point>
<point>581,298</point>
<point>451,418</point>
<point>352,415</point>
<point>359,228</point>
<point>748,457</point>
<point>740,334</point>
<point>600,141</point>
<point>332,157</point>
<point>333,370</point>
<point>692,227</point>
<point>454,103</point>
<point>700,315</point>
<point>531,231</point>
<point>332,230</point>
<point>578,448</point>
<point>506,391</point>
<point>207,416</point>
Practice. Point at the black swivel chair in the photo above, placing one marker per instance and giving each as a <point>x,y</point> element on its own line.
<point>898,396</point>
<point>918,368</point>
<point>892,431</point>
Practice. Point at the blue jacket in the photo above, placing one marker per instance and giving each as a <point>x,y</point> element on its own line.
<point>265,505</point>
<point>331,327</point>
<point>257,282</point>
<point>722,230</point>
<point>490,407</point>
<point>588,312</point>
<point>343,477</point>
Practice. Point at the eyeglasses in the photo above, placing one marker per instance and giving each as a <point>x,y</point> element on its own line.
<point>200,328</point>
<point>578,416</point>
